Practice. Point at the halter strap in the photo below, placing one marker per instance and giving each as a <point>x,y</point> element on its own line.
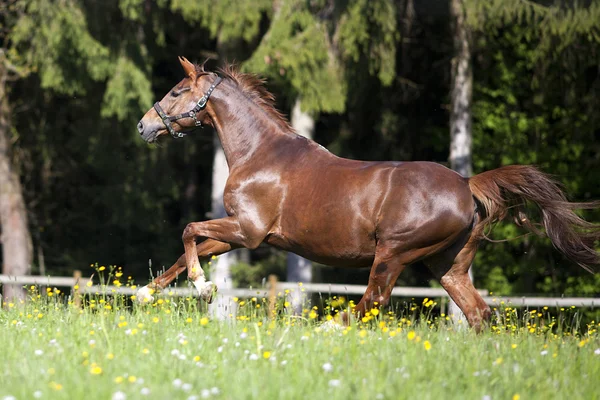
<point>200,105</point>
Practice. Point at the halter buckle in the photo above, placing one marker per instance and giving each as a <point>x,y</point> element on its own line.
<point>202,102</point>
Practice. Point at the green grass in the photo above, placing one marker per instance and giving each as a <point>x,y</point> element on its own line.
<point>173,351</point>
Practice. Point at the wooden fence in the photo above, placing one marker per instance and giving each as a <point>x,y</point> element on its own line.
<point>79,286</point>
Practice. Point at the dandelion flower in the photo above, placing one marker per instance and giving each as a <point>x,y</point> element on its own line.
<point>411,335</point>
<point>427,345</point>
<point>204,321</point>
<point>96,370</point>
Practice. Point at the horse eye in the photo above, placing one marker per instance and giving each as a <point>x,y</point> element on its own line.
<point>176,92</point>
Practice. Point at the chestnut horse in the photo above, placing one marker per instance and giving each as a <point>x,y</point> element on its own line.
<point>293,194</point>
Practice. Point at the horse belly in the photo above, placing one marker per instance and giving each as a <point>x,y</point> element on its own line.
<point>328,245</point>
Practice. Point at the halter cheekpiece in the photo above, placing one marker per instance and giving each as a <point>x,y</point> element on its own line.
<point>190,114</point>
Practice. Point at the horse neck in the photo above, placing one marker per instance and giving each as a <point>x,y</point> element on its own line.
<point>244,128</point>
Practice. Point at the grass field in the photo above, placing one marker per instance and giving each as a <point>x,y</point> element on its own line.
<point>172,350</point>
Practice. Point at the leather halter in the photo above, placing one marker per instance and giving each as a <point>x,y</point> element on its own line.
<point>167,119</point>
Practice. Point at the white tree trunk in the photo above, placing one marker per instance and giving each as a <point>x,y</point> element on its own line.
<point>220,272</point>
<point>299,269</point>
<point>15,237</point>
<point>460,104</point>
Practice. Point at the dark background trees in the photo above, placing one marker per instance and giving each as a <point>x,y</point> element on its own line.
<point>375,76</point>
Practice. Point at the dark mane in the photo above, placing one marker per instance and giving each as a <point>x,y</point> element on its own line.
<point>254,88</point>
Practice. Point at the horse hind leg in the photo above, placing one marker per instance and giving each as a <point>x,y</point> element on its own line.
<point>384,273</point>
<point>451,268</point>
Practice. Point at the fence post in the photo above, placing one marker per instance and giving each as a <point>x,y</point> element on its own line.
<point>75,290</point>
<point>272,294</point>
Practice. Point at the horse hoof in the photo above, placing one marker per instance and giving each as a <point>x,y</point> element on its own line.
<point>144,295</point>
<point>208,292</point>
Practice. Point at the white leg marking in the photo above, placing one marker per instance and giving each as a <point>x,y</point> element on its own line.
<point>144,295</point>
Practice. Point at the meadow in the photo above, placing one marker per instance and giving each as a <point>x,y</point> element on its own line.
<point>110,348</point>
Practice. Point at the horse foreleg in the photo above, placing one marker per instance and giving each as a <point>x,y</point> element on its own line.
<point>225,230</point>
<point>206,249</point>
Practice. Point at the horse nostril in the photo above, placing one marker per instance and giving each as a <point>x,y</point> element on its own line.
<point>140,127</point>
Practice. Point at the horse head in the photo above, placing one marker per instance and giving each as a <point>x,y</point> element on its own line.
<point>183,108</point>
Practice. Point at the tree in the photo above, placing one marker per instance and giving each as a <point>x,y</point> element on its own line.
<point>15,237</point>
<point>461,93</point>
<point>299,269</point>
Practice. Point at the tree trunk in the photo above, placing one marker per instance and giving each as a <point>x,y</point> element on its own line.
<point>15,237</point>
<point>460,106</point>
<point>299,269</point>
<point>220,274</point>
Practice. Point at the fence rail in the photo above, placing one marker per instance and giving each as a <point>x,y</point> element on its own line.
<point>274,287</point>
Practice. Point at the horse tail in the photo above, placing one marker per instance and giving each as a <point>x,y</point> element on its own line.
<point>508,190</point>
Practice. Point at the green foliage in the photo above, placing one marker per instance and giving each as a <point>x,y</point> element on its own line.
<point>128,89</point>
<point>226,19</point>
<point>296,53</point>
<point>524,114</point>
<point>53,40</point>
<point>256,273</point>
<point>369,29</point>
<point>554,26</point>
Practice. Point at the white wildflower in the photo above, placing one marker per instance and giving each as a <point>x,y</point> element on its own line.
<point>335,383</point>
<point>327,367</point>
<point>119,396</point>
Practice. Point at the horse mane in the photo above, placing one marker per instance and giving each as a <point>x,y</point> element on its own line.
<point>253,87</point>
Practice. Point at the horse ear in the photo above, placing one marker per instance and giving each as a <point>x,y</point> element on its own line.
<point>188,67</point>
<point>203,64</point>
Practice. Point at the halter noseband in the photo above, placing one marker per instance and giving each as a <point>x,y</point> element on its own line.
<point>190,114</point>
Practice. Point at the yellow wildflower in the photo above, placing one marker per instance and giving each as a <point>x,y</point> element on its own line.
<point>95,370</point>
